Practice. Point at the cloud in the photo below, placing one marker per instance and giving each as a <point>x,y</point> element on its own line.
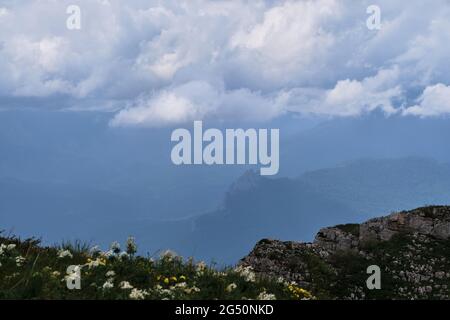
<point>349,97</point>
<point>434,101</point>
<point>197,100</point>
<point>162,63</point>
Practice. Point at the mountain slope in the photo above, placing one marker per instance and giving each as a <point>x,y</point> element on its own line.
<point>412,250</point>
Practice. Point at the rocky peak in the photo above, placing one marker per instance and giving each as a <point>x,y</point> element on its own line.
<point>430,221</point>
<point>412,248</point>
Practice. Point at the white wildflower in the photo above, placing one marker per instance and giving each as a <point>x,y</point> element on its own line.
<point>64,253</point>
<point>247,273</point>
<point>110,274</point>
<point>19,261</point>
<point>191,290</point>
<point>131,246</point>
<point>231,287</point>
<point>266,296</point>
<point>137,294</point>
<point>115,247</point>
<point>167,293</point>
<point>107,254</point>
<point>125,285</point>
<point>108,284</point>
<point>4,248</point>
<point>200,267</point>
<point>169,255</point>
<point>181,285</point>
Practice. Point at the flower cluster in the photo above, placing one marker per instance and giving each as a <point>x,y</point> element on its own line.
<point>117,274</point>
<point>299,293</point>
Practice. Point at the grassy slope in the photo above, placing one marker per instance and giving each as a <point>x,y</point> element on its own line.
<point>30,271</point>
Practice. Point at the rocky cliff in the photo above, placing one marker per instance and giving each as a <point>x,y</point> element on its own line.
<point>412,249</point>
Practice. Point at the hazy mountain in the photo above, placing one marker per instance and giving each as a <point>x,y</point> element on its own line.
<point>372,136</point>
<point>372,187</point>
<point>256,207</point>
<point>69,175</point>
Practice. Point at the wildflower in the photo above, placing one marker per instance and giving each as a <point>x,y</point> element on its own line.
<point>182,278</point>
<point>131,246</point>
<point>64,253</point>
<point>115,247</point>
<point>169,255</point>
<point>110,274</point>
<point>4,248</point>
<point>95,263</point>
<point>19,261</point>
<point>281,280</point>
<point>231,287</point>
<point>174,279</point>
<point>200,267</point>
<point>299,293</point>
<point>181,285</point>
<point>107,254</point>
<point>246,272</point>
<point>191,290</point>
<point>166,280</point>
<point>137,294</point>
<point>125,285</point>
<point>266,296</point>
<point>108,284</point>
<point>56,274</point>
<point>168,293</point>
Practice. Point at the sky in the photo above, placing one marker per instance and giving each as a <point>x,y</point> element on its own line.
<point>165,63</point>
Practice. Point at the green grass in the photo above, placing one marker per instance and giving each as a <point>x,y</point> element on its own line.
<point>31,271</point>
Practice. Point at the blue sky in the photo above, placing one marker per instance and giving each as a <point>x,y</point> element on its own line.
<point>158,63</point>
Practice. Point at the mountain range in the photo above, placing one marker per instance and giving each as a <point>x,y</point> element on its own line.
<point>257,207</point>
<point>67,176</point>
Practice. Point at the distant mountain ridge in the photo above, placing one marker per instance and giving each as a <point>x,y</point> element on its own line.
<point>254,207</point>
<point>295,208</point>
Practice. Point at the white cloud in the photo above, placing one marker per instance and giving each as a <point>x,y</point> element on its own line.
<point>434,101</point>
<point>197,100</point>
<point>174,61</point>
<point>3,12</point>
<point>349,97</point>
<point>185,103</point>
<point>291,38</point>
